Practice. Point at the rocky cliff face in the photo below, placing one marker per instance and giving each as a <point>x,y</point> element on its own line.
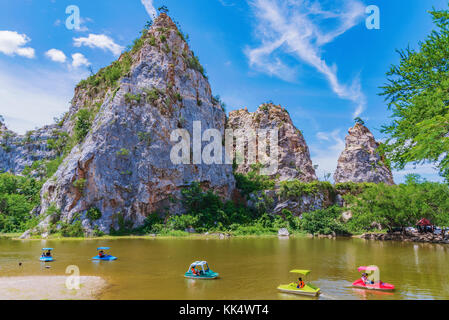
<point>122,166</point>
<point>360,161</point>
<point>20,151</point>
<point>294,157</point>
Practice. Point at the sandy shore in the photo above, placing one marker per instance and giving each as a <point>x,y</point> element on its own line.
<point>49,288</point>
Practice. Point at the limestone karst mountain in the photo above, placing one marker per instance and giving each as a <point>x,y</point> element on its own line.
<point>294,157</point>
<point>18,152</point>
<point>361,161</point>
<point>120,125</point>
<point>115,143</point>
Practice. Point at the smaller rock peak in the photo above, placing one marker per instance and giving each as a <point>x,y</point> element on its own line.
<point>274,112</point>
<point>164,21</point>
<point>361,160</point>
<point>359,129</point>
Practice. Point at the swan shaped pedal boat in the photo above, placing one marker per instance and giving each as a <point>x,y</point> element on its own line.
<point>46,256</point>
<point>103,255</point>
<point>293,288</point>
<point>200,270</point>
<point>373,285</point>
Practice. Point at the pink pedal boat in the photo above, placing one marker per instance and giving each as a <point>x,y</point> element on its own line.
<point>377,285</point>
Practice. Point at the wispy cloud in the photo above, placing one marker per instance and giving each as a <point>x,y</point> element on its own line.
<point>99,41</point>
<point>149,7</point>
<point>226,3</point>
<point>301,28</point>
<point>12,43</point>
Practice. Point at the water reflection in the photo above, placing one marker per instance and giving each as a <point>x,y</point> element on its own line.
<point>249,268</point>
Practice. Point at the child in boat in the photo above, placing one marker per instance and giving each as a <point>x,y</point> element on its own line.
<point>300,284</point>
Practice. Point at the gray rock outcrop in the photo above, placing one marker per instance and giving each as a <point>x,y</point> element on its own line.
<point>20,151</point>
<point>361,161</point>
<point>123,167</point>
<point>294,156</point>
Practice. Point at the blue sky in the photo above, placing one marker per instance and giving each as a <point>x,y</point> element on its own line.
<point>315,58</point>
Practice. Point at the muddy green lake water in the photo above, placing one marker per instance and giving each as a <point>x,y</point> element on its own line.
<point>250,268</point>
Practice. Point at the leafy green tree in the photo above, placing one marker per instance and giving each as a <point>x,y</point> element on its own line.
<point>359,120</point>
<point>417,93</point>
<point>83,124</point>
<point>18,196</point>
<point>399,206</point>
<point>163,9</point>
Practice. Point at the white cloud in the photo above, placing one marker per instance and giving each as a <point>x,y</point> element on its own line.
<point>326,153</point>
<point>98,41</point>
<point>32,98</point>
<point>12,43</point>
<point>79,60</point>
<point>56,55</point>
<point>296,27</point>
<point>149,7</point>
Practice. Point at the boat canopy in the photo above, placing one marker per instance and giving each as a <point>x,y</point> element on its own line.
<point>372,268</point>
<point>103,248</point>
<point>47,249</point>
<point>201,264</point>
<point>303,272</point>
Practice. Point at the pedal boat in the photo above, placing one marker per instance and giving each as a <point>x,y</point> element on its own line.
<point>203,271</point>
<point>378,285</point>
<point>106,256</point>
<point>308,290</point>
<point>44,257</point>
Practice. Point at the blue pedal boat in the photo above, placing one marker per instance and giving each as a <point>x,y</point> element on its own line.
<point>200,270</point>
<point>46,256</point>
<point>103,255</point>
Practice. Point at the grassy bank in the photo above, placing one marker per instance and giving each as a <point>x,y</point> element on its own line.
<point>177,235</point>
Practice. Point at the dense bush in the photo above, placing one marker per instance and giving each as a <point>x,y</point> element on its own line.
<point>326,221</point>
<point>93,214</point>
<point>72,229</point>
<point>84,119</point>
<point>400,205</point>
<point>253,181</point>
<point>297,189</point>
<point>18,196</point>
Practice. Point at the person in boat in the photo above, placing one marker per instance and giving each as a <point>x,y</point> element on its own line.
<point>101,254</point>
<point>300,284</point>
<point>48,254</point>
<point>194,271</point>
<point>366,280</point>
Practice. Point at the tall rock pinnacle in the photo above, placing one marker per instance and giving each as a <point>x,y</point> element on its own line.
<point>120,124</point>
<point>360,161</point>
